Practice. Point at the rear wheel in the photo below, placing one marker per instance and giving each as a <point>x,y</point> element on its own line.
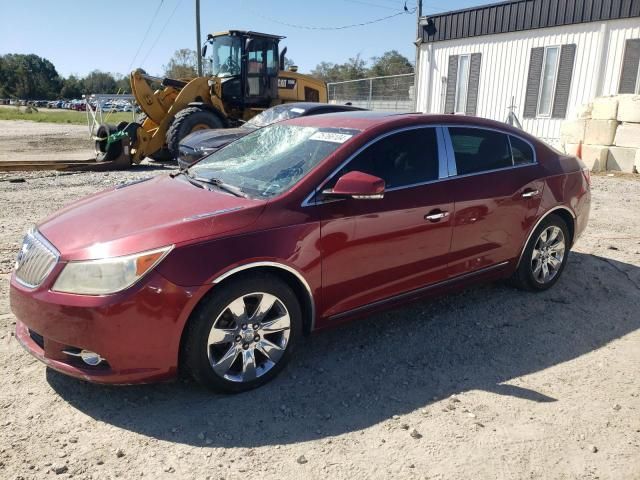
<point>244,335</point>
<point>545,256</point>
<point>188,121</point>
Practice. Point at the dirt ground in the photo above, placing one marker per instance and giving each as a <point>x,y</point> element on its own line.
<point>489,383</point>
<point>22,140</point>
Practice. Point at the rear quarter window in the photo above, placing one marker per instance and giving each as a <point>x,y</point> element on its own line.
<point>521,150</point>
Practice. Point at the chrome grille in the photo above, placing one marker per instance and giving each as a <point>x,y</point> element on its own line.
<point>36,259</point>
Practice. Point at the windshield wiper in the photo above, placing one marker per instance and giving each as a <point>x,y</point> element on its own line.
<point>216,182</point>
<point>190,179</point>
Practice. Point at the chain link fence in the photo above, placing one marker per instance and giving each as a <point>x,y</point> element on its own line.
<point>392,93</point>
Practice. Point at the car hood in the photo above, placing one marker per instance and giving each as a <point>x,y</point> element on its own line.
<point>209,139</point>
<point>145,215</point>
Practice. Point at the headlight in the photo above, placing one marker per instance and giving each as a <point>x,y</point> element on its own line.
<point>108,275</point>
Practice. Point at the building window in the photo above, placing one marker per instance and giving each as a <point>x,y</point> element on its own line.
<point>462,83</point>
<point>548,81</point>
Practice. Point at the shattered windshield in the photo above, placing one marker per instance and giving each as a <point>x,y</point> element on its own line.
<point>271,160</point>
<point>275,114</point>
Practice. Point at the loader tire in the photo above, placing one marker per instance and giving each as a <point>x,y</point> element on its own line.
<point>106,152</point>
<point>187,121</point>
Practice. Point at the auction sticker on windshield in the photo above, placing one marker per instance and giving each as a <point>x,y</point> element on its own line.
<point>331,137</point>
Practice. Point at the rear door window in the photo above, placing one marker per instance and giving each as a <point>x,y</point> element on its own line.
<point>478,150</point>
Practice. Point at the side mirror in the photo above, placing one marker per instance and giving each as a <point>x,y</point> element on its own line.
<point>358,185</point>
<point>204,50</point>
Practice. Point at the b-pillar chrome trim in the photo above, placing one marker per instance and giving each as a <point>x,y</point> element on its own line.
<point>281,266</point>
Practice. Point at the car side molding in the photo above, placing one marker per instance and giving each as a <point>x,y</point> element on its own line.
<point>533,229</point>
<point>281,266</point>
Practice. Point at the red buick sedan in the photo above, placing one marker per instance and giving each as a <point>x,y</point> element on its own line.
<point>220,270</point>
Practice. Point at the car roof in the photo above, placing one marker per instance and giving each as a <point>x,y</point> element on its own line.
<point>310,106</point>
<point>365,120</point>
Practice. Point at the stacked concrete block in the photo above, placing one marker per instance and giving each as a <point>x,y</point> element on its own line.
<point>629,108</point>
<point>628,135</point>
<point>609,131</point>
<point>572,131</point>
<point>600,132</point>
<point>605,108</point>
<point>595,157</point>
<point>621,159</point>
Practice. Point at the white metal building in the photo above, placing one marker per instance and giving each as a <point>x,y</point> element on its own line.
<point>548,57</point>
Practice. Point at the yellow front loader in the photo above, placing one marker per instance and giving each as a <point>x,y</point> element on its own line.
<point>247,76</point>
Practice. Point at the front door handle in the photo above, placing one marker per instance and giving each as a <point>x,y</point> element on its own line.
<point>436,215</point>
<point>530,193</point>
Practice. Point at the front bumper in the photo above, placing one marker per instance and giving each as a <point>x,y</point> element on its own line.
<point>137,332</point>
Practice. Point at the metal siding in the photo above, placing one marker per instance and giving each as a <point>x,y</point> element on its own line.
<point>504,66</point>
<point>527,14</point>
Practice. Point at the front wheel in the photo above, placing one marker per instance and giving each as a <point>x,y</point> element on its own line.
<point>545,256</point>
<point>188,121</point>
<point>243,335</point>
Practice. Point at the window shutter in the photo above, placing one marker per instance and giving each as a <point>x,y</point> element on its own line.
<point>533,82</point>
<point>563,82</point>
<point>452,78</point>
<point>474,81</point>
<point>630,65</point>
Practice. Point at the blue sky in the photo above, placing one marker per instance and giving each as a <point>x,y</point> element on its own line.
<point>80,36</point>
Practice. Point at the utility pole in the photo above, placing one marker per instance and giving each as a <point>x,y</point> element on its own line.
<point>198,41</point>
<point>417,62</point>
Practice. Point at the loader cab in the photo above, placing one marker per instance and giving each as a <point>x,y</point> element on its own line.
<point>247,65</point>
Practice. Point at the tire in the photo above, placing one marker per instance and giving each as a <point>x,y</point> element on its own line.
<point>539,254</point>
<point>187,121</point>
<point>106,152</point>
<point>215,337</point>
<point>121,126</point>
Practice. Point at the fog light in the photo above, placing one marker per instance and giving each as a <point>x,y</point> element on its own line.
<point>87,356</point>
<point>90,358</point>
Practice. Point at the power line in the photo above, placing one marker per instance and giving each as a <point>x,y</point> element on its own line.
<point>341,27</point>
<point>145,34</point>
<point>387,7</point>
<point>161,32</point>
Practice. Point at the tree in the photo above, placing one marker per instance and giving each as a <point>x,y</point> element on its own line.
<point>390,63</point>
<point>99,82</point>
<point>72,87</point>
<point>183,64</point>
<point>288,62</point>
<point>28,77</point>
<point>352,69</point>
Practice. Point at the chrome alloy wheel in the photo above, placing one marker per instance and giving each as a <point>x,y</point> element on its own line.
<point>548,254</point>
<point>249,337</point>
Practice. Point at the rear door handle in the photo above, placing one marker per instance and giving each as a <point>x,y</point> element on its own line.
<point>436,215</point>
<point>530,193</point>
